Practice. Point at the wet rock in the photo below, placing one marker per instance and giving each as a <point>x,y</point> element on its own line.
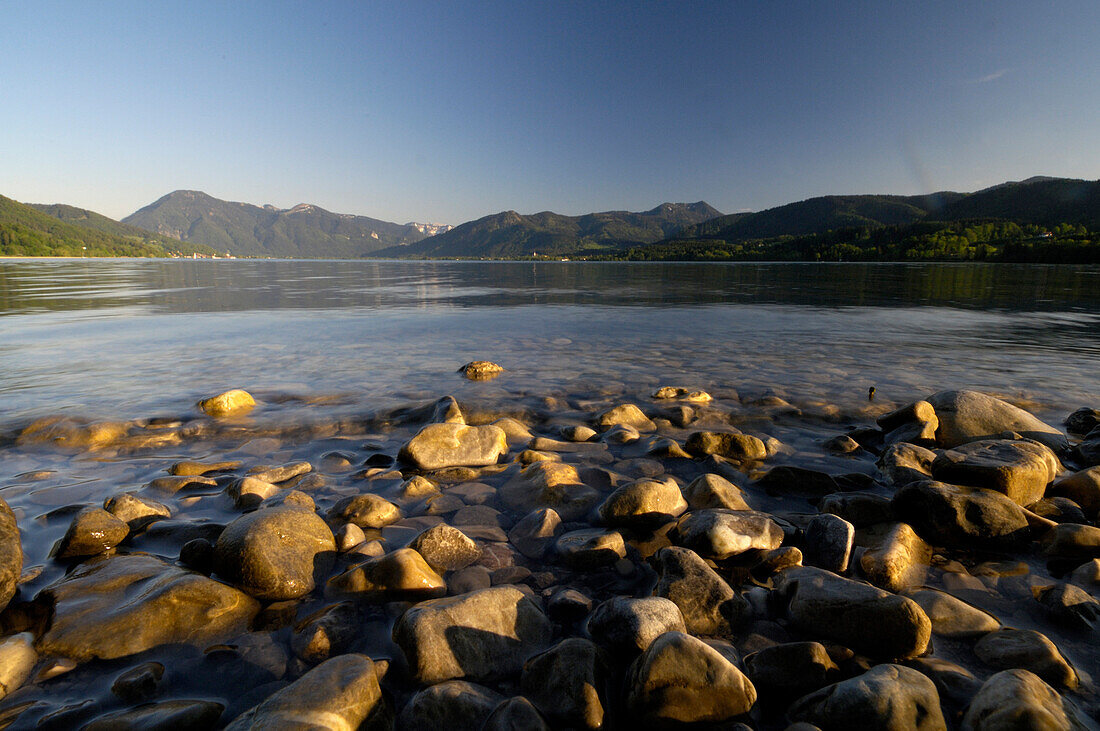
<point>708,605</point>
<point>1087,574</point>
<point>714,491</point>
<point>899,561</point>
<point>578,433</point>
<point>970,416</point>
<point>738,447</point>
<point>842,444</point>
<point>173,484</point>
<point>120,605</point>
<point>952,515</point>
<point>1072,541</point>
<point>348,536</point>
<point>679,679</point>
<point>69,434</point>
<point>275,553</point>
<point>621,434</point>
<point>625,415</point>
<point>248,492</point>
<point>1082,488</point>
<point>198,555</point>
<point>454,704</point>
<point>627,625</point>
<point>915,423</point>
<point>93,531</point>
<point>875,622</point>
<point>536,533</point>
<point>481,370</point>
<point>1070,606</point>
<point>1059,509</point>
<point>480,635</point>
<point>471,578</point>
<point>797,481</point>
<point>952,617</point>
<point>438,446</point>
<point>1027,649</point>
<point>136,511</point>
<point>549,485</point>
<point>138,684</point>
<point>776,560</point>
<point>956,684</point>
<point>281,473</point>
<point>568,605</point>
<point>677,392</point>
<point>446,548</point>
<point>1082,421</point>
<point>515,714</point>
<point>17,660</point>
<point>642,504</point>
<point>181,714</point>
<point>886,696</point>
<point>720,534</point>
<point>791,669</point>
<point>903,463</point>
<point>340,693</point>
<point>590,548</point>
<point>188,469</point>
<point>11,554</point>
<point>366,511</point>
<point>516,432</point>
<point>861,509</point>
<point>325,633</point>
<point>417,488</point>
<point>1019,699</point>
<point>827,543</point>
<point>400,575</point>
<point>229,403</point>
<point>446,411</point>
<point>566,683</point>
<point>1020,470</point>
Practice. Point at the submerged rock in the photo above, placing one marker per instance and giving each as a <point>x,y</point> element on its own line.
<point>120,605</point>
<point>183,714</point>
<point>481,370</point>
<point>480,635</point>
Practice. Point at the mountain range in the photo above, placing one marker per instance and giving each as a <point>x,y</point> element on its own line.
<point>191,221</point>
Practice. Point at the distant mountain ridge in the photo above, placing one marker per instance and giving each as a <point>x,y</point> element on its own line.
<point>510,234</point>
<point>304,231</point>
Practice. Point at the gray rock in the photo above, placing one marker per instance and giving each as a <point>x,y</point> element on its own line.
<point>875,622</point>
<point>115,606</point>
<point>969,416</point>
<point>366,511</point>
<point>956,684</point>
<point>1019,699</point>
<point>1027,649</point>
<point>952,617</point>
<point>954,515</point>
<point>446,548</point>
<point>1020,470</point>
<point>899,560</point>
<point>886,696</point>
<point>708,604</point>
<point>536,533</point>
<point>515,714</point>
<point>628,625</point>
<point>92,531</point>
<point>275,553</point>
<point>714,491</point>
<point>480,635</point>
<point>720,534</point>
<point>11,554</point>
<point>903,463</point>
<point>797,482</point>
<point>566,683</point>
<point>827,543</point>
<point>643,504</point>
<point>791,669</point>
<point>438,446</point>
<point>679,679</point>
<point>340,693</point>
<point>590,548</point>
<point>401,575</point>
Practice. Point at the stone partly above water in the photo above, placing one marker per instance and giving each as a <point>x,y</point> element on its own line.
<point>229,403</point>
<point>587,560</point>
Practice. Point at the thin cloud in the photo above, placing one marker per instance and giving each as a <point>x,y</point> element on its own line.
<point>990,77</point>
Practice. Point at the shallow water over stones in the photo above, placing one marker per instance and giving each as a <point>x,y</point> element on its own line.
<point>569,523</point>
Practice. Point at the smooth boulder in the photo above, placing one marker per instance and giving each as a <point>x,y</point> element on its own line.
<point>953,515</point>
<point>1020,470</point>
<point>708,604</point>
<point>11,554</point>
<point>719,534</point>
<point>1019,699</point>
<point>969,416</point>
<point>235,401</point>
<point>885,697</point>
<point>438,446</point>
<point>399,575</point>
<point>644,503</point>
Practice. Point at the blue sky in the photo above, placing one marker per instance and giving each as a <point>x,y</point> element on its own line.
<point>450,111</point>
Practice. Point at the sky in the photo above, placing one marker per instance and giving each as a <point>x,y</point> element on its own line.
<point>449,111</point>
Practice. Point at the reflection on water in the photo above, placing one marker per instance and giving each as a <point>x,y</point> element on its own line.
<point>123,337</point>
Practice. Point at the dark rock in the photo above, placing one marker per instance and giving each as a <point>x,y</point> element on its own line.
<point>886,696</point>
<point>536,533</point>
<point>827,543</point>
<point>566,683</point>
<point>93,531</point>
<point>628,625</point>
<point>139,684</point>
<point>1021,648</point>
<point>515,714</point>
<point>174,714</point>
<point>953,515</point>
<point>1082,421</point>
<point>708,605</point>
<point>791,669</point>
<point>590,548</point>
<point>1018,699</point>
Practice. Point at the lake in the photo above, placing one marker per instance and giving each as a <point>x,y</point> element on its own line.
<point>102,363</point>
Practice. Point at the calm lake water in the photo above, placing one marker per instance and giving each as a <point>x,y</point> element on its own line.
<point>133,338</point>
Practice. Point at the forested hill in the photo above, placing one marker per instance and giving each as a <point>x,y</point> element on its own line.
<point>510,234</point>
<point>27,231</point>
<point>304,231</point>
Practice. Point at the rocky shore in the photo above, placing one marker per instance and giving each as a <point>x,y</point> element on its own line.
<point>678,558</point>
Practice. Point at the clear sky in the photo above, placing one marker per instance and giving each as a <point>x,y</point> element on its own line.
<point>448,111</point>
